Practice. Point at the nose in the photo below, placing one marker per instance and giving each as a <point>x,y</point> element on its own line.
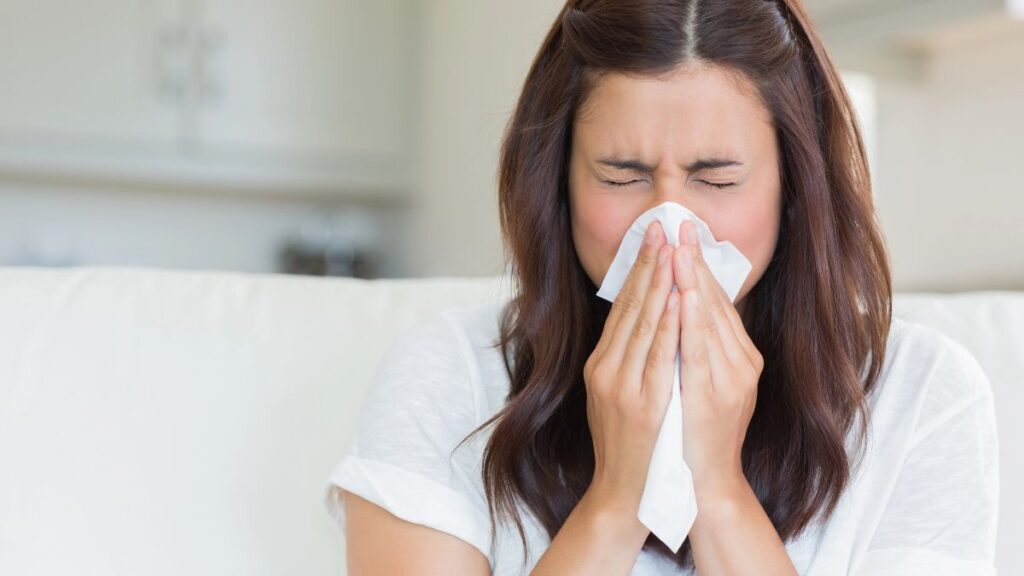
<point>674,189</point>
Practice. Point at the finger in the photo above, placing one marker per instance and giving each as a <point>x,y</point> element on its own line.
<point>735,338</point>
<point>716,302</point>
<point>719,364</point>
<point>638,347</point>
<point>695,371</point>
<point>659,370</point>
<point>629,301</point>
<point>615,313</point>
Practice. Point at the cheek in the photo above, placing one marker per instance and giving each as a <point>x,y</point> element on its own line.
<point>754,236</point>
<point>753,232</point>
<point>599,223</point>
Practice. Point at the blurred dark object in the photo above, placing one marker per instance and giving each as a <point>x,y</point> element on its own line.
<point>339,245</point>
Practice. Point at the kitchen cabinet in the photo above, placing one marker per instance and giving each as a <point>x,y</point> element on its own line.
<point>82,70</point>
<point>282,96</point>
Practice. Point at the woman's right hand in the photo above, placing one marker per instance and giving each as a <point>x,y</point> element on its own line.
<point>630,373</point>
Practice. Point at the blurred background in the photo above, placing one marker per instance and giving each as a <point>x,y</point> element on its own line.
<point>360,138</point>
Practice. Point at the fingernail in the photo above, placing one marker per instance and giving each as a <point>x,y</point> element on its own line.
<point>691,233</point>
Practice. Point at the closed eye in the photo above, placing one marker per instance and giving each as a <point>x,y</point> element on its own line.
<point>705,182</point>
<point>725,185</point>
<point>614,183</point>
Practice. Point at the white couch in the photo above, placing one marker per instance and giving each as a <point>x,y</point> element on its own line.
<point>157,422</point>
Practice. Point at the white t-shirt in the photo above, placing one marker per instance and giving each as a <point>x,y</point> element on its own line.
<point>923,501</point>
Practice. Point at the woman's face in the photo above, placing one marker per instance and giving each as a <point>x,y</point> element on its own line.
<point>658,135</point>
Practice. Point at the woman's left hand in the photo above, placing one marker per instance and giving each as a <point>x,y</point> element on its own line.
<point>719,374</point>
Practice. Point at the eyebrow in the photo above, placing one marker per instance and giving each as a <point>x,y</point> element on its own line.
<point>697,166</point>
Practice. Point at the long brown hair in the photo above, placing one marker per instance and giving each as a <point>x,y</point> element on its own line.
<point>819,315</point>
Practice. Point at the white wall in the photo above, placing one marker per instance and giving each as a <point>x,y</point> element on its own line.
<point>947,152</point>
<point>950,169</point>
<point>474,57</point>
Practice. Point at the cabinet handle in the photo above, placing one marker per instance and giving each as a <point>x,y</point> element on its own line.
<point>211,44</point>
<point>172,63</point>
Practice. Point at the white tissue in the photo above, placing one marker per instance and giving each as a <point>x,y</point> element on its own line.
<point>668,506</point>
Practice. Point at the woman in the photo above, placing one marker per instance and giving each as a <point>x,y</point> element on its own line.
<point>824,436</point>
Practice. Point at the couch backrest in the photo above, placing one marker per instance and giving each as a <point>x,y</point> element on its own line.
<point>168,422</point>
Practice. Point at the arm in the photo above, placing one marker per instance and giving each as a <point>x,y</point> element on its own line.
<point>403,494</point>
<point>379,543</point>
<point>628,381</point>
<point>599,537</point>
<point>733,535</point>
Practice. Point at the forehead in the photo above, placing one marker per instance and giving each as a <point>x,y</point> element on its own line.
<point>696,109</point>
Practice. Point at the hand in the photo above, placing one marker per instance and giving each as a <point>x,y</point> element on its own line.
<point>719,375</point>
<point>629,375</point>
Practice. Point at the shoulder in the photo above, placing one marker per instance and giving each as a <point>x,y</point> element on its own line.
<point>478,324</point>
<point>427,357</point>
<point>928,377</point>
<point>932,356</point>
<point>463,328</point>
<point>933,491</point>
<point>449,358</point>
<point>478,329</point>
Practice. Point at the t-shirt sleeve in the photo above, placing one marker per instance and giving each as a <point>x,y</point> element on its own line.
<point>420,404</point>
<point>941,516</point>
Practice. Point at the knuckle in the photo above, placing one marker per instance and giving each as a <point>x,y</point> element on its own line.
<point>588,368</point>
<point>616,309</point>
<point>668,319</point>
<point>699,355</point>
<point>628,303</point>
<point>758,361</point>
<point>599,374</point>
<point>642,327</point>
<point>646,256</point>
<point>711,326</point>
<point>658,356</point>
<point>595,377</point>
<point>715,305</point>
<point>709,323</point>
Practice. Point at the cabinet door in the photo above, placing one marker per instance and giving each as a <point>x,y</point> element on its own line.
<point>318,80</point>
<point>86,72</point>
